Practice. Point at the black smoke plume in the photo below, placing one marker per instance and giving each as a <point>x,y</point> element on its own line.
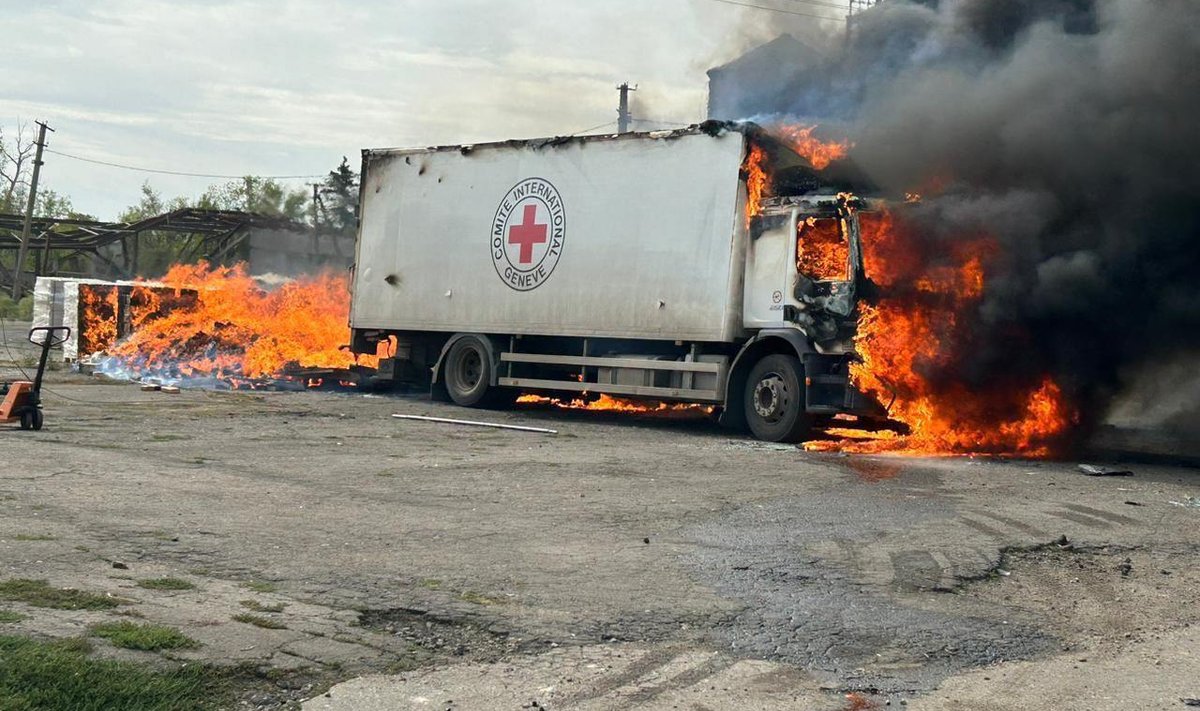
<point>1069,130</point>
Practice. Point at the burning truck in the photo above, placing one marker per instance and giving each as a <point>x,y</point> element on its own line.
<point>643,265</point>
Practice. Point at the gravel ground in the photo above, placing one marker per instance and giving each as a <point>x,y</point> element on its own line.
<point>626,562</point>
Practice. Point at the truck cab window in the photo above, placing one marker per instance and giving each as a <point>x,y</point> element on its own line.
<point>822,250</point>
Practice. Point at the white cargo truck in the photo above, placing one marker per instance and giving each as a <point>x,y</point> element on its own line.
<point>624,264</point>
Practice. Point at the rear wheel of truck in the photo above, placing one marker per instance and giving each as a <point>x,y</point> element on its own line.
<point>467,375</point>
<point>774,399</point>
<point>467,372</point>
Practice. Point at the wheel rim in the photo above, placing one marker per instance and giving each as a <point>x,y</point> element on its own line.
<point>470,369</point>
<point>771,397</point>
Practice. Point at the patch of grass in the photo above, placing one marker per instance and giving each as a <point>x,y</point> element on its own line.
<point>60,675</point>
<point>34,537</point>
<point>261,586</point>
<point>478,598</point>
<point>165,584</point>
<point>430,583</point>
<point>260,621</point>
<point>259,607</point>
<point>146,637</point>
<point>39,593</point>
<point>10,616</point>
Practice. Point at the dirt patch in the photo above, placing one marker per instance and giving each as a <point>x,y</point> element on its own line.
<point>430,636</point>
<point>1101,597</point>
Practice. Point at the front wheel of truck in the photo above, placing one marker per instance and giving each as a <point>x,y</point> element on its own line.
<point>774,399</point>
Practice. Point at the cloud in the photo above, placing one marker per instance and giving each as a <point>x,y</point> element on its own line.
<point>226,86</point>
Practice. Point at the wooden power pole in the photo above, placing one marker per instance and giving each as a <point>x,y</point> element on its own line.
<point>27,228</point>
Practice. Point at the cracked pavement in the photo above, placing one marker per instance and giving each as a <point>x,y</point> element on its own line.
<point>475,566</point>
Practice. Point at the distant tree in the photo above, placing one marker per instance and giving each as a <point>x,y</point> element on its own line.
<point>16,160</point>
<point>339,200</point>
<point>16,168</point>
<point>250,194</point>
<point>156,250</point>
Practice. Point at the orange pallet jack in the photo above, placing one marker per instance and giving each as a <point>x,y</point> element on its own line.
<point>23,399</point>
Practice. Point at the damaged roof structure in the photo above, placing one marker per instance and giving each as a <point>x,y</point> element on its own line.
<point>112,247</point>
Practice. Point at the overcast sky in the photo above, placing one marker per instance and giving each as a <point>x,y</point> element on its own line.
<point>279,88</point>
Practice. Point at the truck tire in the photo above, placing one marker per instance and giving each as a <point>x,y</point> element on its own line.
<point>467,373</point>
<point>774,399</point>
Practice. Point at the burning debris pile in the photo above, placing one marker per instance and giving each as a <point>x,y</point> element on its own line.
<point>1053,251</point>
<point>224,326</point>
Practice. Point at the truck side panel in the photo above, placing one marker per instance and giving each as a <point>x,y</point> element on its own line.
<point>651,244</point>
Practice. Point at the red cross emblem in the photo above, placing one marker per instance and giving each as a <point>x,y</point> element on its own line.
<point>527,234</point>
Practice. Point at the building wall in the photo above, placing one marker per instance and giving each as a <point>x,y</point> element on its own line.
<point>292,254</point>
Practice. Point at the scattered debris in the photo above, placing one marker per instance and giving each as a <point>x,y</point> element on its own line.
<point>1189,502</point>
<point>150,387</point>
<point>1125,568</point>
<point>170,389</point>
<point>1093,470</point>
<point>1133,503</point>
<point>473,423</point>
<point>1191,702</point>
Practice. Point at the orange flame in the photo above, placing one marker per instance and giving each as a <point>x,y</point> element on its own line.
<point>819,153</point>
<point>606,402</point>
<point>755,168</point>
<point>912,337</point>
<point>98,317</point>
<point>822,251</point>
<point>234,329</point>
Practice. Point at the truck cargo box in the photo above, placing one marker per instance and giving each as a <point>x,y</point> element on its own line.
<point>624,236</point>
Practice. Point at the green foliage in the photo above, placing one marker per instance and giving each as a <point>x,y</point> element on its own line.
<point>16,310</point>
<point>165,584</point>
<point>39,593</point>
<point>146,637</point>
<point>261,586</point>
<point>10,616</point>
<point>339,200</point>
<point>252,194</point>
<point>156,250</point>
<point>260,621</point>
<point>40,675</point>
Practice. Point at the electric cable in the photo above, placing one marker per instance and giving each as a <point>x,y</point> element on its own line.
<point>779,10</point>
<point>179,172</point>
<point>593,128</point>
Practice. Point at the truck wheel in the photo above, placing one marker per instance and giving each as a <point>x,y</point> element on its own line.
<point>468,372</point>
<point>774,400</point>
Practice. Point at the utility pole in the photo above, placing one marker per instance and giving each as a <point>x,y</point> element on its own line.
<point>27,228</point>
<point>316,204</point>
<point>623,117</point>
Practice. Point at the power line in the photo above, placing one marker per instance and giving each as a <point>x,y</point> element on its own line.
<point>821,3</point>
<point>593,128</point>
<point>663,123</point>
<point>779,10</point>
<point>176,172</point>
